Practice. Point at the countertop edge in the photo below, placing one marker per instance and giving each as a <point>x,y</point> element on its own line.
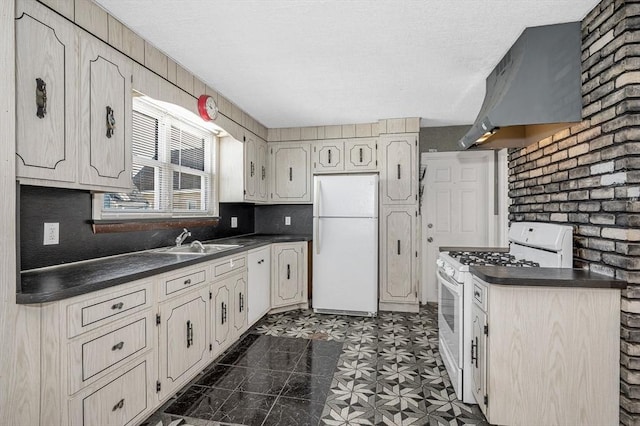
<point>257,241</point>
<point>580,278</point>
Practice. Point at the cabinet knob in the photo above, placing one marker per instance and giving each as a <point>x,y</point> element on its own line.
<point>117,346</point>
<point>117,306</point>
<point>430,240</point>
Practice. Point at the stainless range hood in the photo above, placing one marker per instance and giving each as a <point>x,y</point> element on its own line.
<point>533,92</point>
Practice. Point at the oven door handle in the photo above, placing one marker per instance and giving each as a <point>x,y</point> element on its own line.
<point>453,287</point>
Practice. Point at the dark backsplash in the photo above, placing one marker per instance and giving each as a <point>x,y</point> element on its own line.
<point>270,219</point>
<point>72,210</point>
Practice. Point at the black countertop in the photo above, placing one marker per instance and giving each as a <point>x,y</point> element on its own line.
<point>545,277</point>
<point>64,281</point>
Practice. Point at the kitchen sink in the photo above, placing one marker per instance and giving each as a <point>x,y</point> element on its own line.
<point>198,249</point>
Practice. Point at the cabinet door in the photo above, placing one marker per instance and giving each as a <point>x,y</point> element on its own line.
<point>46,72</point>
<point>398,282</point>
<point>250,168</point>
<point>479,355</point>
<point>105,116</point>
<point>263,188</point>
<point>290,169</point>
<point>361,155</point>
<point>183,340</point>
<point>221,314</point>
<point>328,157</point>
<point>289,280</point>
<point>239,286</point>
<point>258,284</point>
<point>399,171</point>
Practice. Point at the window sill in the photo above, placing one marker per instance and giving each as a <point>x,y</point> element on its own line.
<point>113,226</point>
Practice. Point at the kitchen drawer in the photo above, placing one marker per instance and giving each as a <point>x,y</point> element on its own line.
<point>229,264</point>
<point>183,279</point>
<point>119,402</point>
<point>97,354</point>
<point>480,294</point>
<point>111,306</point>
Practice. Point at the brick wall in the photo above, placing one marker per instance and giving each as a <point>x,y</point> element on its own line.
<point>588,176</point>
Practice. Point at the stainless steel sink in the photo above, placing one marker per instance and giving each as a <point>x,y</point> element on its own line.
<point>198,249</point>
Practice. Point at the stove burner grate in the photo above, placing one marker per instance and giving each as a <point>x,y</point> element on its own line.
<point>488,258</point>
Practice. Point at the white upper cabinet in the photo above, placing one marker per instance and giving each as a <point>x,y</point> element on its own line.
<point>290,172</point>
<point>361,155</point>
<point>105,115</point>
<point>328,156</point>
<point>46,94</point>
<point>399,170</point>
<point>243,169</point>
<point>73,105</point>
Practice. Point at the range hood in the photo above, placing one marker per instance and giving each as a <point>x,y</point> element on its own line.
<point>533,92</point>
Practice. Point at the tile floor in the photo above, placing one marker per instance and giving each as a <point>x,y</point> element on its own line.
<point>301,368</point>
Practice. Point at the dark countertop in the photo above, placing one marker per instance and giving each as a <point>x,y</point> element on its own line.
<point>545,277</point>
<point>461,248</point>
<point>64,281</point>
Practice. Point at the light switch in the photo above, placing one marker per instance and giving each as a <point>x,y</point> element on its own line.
<point>287,220</point>
<point>234,222</point>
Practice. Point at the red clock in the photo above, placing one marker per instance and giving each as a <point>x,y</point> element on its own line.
<point>207,107</point>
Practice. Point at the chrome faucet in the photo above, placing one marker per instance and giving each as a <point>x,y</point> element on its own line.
<point>198,244</point>
<point>183,236</point>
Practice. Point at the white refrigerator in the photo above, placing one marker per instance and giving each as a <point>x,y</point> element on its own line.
<point>345,244</point>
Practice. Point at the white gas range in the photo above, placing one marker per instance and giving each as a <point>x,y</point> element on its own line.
<point>531,244</point>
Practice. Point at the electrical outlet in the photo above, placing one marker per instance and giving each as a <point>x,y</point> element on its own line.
<point>287,220</point>
<point>234,222</point>
<point>51,233</point>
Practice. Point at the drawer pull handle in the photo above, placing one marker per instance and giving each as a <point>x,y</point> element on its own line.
<point>189,334</point>
<point>119,405</point>
<point>41,97</point>
<point>187,281</point>
<point>476,294</point>
<point>240,302</point>
<point>264,173</point>
<point>111,121</point>
<point>117,306</point>
<point>288,271</point>
<point>398,247</point>
<point>361,155</point>
<point>223,311</point>
<point>117,346</point>
<point>329,157</point>
<point>252,168</point>
<point>399,174</point>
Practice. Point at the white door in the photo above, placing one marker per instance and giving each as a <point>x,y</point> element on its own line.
<point>457,207</point>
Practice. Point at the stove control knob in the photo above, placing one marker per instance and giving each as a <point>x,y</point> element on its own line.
<point>440,262</point>
<point>449,270</point>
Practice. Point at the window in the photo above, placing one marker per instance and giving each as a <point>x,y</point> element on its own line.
<point>173,167</point>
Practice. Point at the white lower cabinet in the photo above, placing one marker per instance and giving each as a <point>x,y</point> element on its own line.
<point>398,258</point>
<point>124,400</point>
<point>546,355</point>
<point>183,339</point>
<point>289,275</point>
<point>112,357</point>
<point>258,283</point>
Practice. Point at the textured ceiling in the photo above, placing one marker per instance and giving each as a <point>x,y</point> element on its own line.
<point>306,63</point>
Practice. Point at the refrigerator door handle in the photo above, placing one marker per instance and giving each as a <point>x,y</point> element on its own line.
<point>316,199</point>
<point>316,237</point>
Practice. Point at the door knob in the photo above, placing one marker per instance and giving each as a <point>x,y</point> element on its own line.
<point>430,225</point>
<point>430,240</point>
